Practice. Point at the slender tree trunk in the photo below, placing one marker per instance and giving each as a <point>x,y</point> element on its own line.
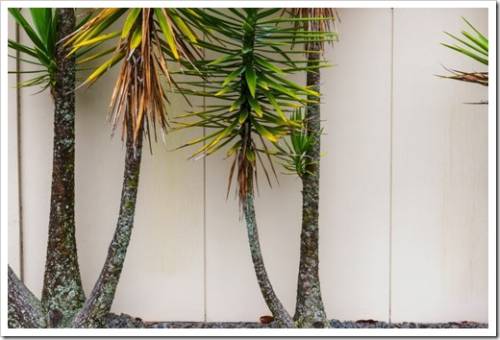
<point>24,309</point>
<point>99,303</point>
<point>279,312</point>
<point>62,294</point>
<point>309,310</point>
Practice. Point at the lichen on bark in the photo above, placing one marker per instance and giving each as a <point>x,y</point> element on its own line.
<point>98,305</point>
<point>280,314</point>
<point>24,309</point>
<point>62,293</point>
<point>309,310</point>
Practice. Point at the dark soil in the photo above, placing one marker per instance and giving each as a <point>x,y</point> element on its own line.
<point>126,321</point>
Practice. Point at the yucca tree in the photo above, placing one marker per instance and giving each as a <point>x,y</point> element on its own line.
<point>305,148</point>
<point>62,293</point>
<point>473,45</point>
<point>145,41</point>
<point>255,99</point>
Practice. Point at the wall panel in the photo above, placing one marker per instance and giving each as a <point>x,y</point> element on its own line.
<point>354,204</point>
<point>440,173</point>
<point>36,120</point>
<point>13,194</point>
<point>165,256</point>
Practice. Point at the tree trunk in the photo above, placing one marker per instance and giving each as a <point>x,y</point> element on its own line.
<point>24,309</point>
<point>309,310</point>
<point>99,303</point>
<point>280,314</point>
<point>62,294</point>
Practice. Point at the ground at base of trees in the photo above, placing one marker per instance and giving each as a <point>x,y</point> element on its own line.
<point>127,321</point>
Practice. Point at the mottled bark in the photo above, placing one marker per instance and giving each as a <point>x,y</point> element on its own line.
<point>62,294</point>
<point>281,316</point>
<point>99,303</point>
<point>309,310</point>
<point>24,309</point>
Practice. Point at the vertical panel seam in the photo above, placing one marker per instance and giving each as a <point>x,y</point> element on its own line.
<point>391,141</point>
<point>19,177</point>
<point>204,210</point>
<point>204,231</point>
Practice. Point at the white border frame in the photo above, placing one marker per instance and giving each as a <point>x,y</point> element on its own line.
<point>492,161</point>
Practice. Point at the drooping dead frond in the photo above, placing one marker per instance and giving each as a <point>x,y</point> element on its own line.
<point>480,78</point>
<point>147,39</point>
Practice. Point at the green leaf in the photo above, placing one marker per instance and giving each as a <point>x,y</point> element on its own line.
<point>221,60</point>
<point>16,13</point>
<point>276,106</point>
<point>250,155</point>
<point>478,49</point>
<point>263,84</point>
<point>478,42</point>
<point>99,71</point>
<point>23,48</point>
<point>251,78</point>
<point>130,21</point>
<point>232,76</point>
<point>181,25</point>
<point>256,107</point>
<point>284,90</point>
<point>42,19</point>
<point>167,31</point>
<point>242,117</point>
<point>95,56</point>
<point>136,39</point>
<point>233,148</point>
<point>264,132</point>
<point>224,90</point>
<point>236,104</point>
<point>467,53</point>
<point>268,66</point>
<point>483,39</point>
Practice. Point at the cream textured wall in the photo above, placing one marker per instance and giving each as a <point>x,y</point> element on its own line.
<point>403,192</point>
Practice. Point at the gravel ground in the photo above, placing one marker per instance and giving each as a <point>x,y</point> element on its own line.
<point>126,321</point>
<point>334,323</point>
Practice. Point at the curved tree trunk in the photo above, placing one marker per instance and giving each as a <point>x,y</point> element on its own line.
<point>309,310</point>
<point>279,312</point>
<point>99,303</point>
<point>24,309</point>
<point>62,294</point>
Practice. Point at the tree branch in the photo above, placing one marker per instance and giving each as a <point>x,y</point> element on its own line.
<point>25,310</point>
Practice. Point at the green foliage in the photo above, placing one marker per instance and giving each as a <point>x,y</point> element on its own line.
<point>297,147</point>
<point>250,82</point>
<point>473,45</point>
<point>41,50</point>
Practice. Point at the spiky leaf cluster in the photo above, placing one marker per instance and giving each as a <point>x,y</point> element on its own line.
<point>473,45</point>
<point>295,150</point>
<point>148,39</point>
<point>41,49</point>
<point>252,85</point>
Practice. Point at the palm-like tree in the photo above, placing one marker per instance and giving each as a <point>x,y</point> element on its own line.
<point>255,100</point>
<point>62,294</point>
<point>309,309</point>
<point>147,39</point>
